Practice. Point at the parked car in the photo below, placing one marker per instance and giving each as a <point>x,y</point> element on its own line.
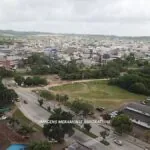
<point>118,142</point>
<point>3,118</point>
<point>91,113</point>
<point>18,100</point>
<point>100,109</point>
<point>25,102</point>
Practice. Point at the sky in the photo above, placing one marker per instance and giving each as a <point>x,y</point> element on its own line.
<point>107,17</point>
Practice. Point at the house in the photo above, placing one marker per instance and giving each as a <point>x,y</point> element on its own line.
<point>139,114</point>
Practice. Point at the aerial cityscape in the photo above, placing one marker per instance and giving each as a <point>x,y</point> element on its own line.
<point>76,87</point>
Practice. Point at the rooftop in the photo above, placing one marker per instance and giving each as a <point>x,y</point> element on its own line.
<point>139,108</point>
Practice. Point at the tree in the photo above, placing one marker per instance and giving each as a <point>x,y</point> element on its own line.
<point>79,105</point>
<point>57,97</point>
<point>19,80</point>
<point>56,130</point>
<point>138,88</point>
<point>87,127</point>
<point>65,98</point>
<point>42,145</point>
<point>49,108</point>
<point>5,73</point>
<point>39,81</point>
<point>104,134</point>
<point>106,116</point>
<point>47,95</point>
<point>62,98</point>
<point>40,102</point>
<point>122,123</point>
<point>7,96</point>
<point>147,135</point>
<point>28,81</point>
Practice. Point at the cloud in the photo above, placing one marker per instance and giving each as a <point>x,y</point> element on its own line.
<point>76,15</point>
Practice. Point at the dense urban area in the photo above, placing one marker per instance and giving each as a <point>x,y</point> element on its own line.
<point>74,92</point>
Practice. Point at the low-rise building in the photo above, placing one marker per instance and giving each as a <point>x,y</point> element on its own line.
<point>139,114</point>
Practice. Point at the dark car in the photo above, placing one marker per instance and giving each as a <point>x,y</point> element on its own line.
<point>25,102</point>
<point>100,109</point>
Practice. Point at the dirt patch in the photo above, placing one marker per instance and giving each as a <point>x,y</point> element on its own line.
<point>7,136</point>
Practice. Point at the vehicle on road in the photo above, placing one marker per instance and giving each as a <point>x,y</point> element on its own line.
<point>100,109</point>
<point>25,102</point>
<point>118,142</point>
<point>18,100</point>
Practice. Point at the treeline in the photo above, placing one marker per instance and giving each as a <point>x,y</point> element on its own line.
<point>41,65</point>
<point>30,81</point>
<point>79,106</point>
<point>6,73</point>
<point>63,98</point>
<point>72,70</point>
<point>135,81</point>
<point>7,96</point>
<point>6,42</point>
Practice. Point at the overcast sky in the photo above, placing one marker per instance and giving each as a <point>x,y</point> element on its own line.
<point>111,17</point>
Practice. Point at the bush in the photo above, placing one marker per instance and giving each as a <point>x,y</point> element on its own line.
<point>106,116</point>
<point>47,95</point>
<point>122,123</point>
<point>25,130</point>
<point>138,88</point>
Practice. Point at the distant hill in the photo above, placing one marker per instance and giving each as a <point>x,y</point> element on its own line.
<point>29,33</point>
<point>20,33</point>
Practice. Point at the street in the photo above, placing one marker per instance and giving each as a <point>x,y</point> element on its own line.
<point>36,113</point>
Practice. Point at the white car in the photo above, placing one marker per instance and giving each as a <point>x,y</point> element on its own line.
<point>3,118</point>
<point>118,142</point>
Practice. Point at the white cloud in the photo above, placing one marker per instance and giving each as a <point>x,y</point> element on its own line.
<point>122,17</point>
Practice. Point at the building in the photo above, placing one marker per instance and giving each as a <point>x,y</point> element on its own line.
<point>50,52</point>
<point>139,114</point>
<point>9,62</point>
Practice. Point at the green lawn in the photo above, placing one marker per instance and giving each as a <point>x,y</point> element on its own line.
<point>98,93</point>
<point>25,121</point>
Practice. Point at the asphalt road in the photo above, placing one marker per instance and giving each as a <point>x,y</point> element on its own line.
<point>34,112</point>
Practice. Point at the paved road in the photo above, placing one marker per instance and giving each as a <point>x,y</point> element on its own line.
<point>95,144</point>
<point>34,112</point>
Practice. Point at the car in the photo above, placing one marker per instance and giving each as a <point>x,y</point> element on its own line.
<point>100,109</point>
<point>91,113</point>
<point>118,142</point>
<point>113,114</point>
<point>143,102</point>
<point>25,102</point>
<point>3,118</point>
<point>147,148</point>
<point>18,100</point>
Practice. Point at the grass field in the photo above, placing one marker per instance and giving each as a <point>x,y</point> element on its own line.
<point>98,93</point>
